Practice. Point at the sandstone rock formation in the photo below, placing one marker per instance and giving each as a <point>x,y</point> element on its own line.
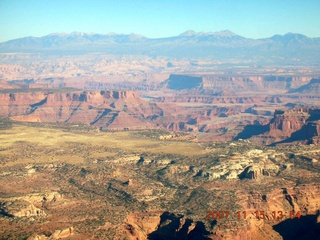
<point>119,109</point>
<point>311,88</point>
<point>20,208</point>
<point>165,225</point>
<point>37,237</point>
<point>24,206</point>
<point>299,124</point>
<point>255,172</point>
<point>64,233</point>
<point>215,84</point>
<point>253,164</point>
<point>287,122</point>
<point>58,234</point>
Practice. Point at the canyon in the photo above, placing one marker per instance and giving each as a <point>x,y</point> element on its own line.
<point>101,108</point>
<point>141,145</point>
<point>212,107</point>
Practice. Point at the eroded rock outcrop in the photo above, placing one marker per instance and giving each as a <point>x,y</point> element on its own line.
<point>253,164</point>
<point>281,210</point>
<point>64,233</point>
<point>164,225</point>
<point>257,171</point>
<point>113,109</point>
<point>287,122</point>
<point>58,234</point>
<point>294,125</point>
<point>300,124</point>
<point>31,205</point>
<point>20,208</point>
<point>313,87</point>
<point>214,83</point>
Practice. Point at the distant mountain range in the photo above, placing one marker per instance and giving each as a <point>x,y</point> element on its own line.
<point>224,46</point>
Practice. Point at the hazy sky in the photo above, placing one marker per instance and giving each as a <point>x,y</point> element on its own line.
<point>159,18</point>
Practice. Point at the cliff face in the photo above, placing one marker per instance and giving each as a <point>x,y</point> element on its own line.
<point>300,124</point>
<point>297,124</point>
<point>20,208</point>
<point>313,87</point>
<point>94,98</point>
<point>313,132</point>
<point>164,225</point>
<point>303,199</point>
<point>285,123</point>
<point>117,109</point>
<point>221,99</point>
<point>214,83</point>
<point>13,104</point>
<point>125,110</point>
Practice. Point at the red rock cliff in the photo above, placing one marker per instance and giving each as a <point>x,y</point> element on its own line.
<point>101,108</point>
<point>301,124</point>
<point>287,122</point>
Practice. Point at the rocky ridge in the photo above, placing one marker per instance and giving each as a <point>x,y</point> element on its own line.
<point>115,109</point>
<point>300,124</point>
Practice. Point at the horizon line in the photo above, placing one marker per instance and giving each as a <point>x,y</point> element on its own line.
<point>185,33</point>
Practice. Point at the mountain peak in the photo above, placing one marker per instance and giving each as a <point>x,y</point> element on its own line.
<point>295,35</point>
<point>63,34</point>
<point>81,33</point>
<point>188,33</point>
<point>58,34</point>
<point>289,36</point>
<point>225,33</point>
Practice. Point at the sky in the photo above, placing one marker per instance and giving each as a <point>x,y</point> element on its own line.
<point>158,18</point>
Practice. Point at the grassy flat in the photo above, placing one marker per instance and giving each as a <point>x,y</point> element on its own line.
<point>49,145</point>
